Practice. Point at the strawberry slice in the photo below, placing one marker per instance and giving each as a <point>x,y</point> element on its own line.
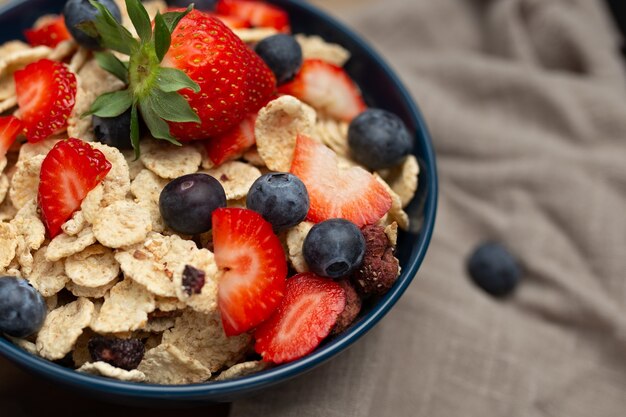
<point>10,127</point>
<point>258,13</point>
<point>71,169</point>
<point>46,94</point>
<point>304,318</point>
<point>233,22</point>
<point>232,144</point>
<point>349,193</point>
<point>327,87</point>
<point>254,266</point>
<point>49,34</point>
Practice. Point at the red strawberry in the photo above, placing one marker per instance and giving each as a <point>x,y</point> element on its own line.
<point>254,266</point>
<point>46,94</point>
<point>258,13</point>
<point>349,193</point>
<point>70,170</point>
<point>10,127</point>
<point>49,34</point>
<point>233,80</point>
<point>232,144</point>
<point>303,319</point>
<point>328,87</point>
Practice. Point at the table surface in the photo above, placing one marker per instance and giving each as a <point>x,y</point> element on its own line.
<point>22,395</point>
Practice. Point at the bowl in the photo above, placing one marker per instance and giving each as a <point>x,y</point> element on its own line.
<point>381,88</point>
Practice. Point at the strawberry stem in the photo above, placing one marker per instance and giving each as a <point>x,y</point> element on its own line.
<point>143,70</point>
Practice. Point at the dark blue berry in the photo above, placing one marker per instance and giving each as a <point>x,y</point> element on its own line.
<point>204,5</point>
<point>281,199</point>
<point>113,131</point>
<point>22,308</point>
<point>283,54</point>
<point>80,13</point>
<point>379,139</point>
<point>494,269</point>
<point>334,248</point>
<point>188,202</point>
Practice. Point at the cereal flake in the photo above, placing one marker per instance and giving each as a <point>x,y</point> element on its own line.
<point>25,181</point>
<point>110,371</point>
<point>206,300</point>
<point>314,47</point>
<point>403,179</point>
<point>94,267</point>
<point>90,292</point>
<point>295,241</point>
<point>202,337</point>
<point>48,277</point>
<point>4,187</point>
<point>167,364</point>
<point>64,245</point>
<point>242,369</point>
<point>156,261</point>
<point>125,309</point>
<point>254,35</point>
<point>170,161</point>
<point>123,223</point>
<point>236,177</point>
<point>8,244</point>
<point>277,128</point>
<point>62,328</point>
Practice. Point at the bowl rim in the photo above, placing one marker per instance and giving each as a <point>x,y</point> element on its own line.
<point>282,372</point>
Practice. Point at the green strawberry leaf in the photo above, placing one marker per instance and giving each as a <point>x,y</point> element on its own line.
<point>152,90</point>
<point>134,130</point>
<point>172,79</point>
<point>141,21</point>
<point>172,18</point>
<point>157,126</point>
<point>171,106</point>
<point>110,63</point>
<point>111,104</point>
<point>112,34</point>
<point>162,36</point>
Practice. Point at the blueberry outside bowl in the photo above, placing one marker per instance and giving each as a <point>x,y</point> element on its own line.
<point>381,88</point>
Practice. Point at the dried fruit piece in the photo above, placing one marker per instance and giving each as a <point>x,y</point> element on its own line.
<point>379,270</point>
<point>193,280</point>
<point>121,353</point>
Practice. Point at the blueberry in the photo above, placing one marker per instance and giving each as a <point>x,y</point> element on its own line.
<point>334,248</point>
<point>113,131</point>
<point>494,269</point>
<point>205,5</point>
<point>281,199</point>
<point>188,202</point>
<point>283,54</point>
<point>22,308</point>
<point>379,139</point>
<point>80,13</point>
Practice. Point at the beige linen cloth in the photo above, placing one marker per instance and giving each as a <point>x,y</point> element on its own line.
<point>526,102</point>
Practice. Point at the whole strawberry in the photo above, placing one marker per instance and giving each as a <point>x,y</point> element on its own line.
<point>188,75</point>
<point>234,81</point>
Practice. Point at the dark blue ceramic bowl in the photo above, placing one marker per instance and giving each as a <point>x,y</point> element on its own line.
<point>381,88</point>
